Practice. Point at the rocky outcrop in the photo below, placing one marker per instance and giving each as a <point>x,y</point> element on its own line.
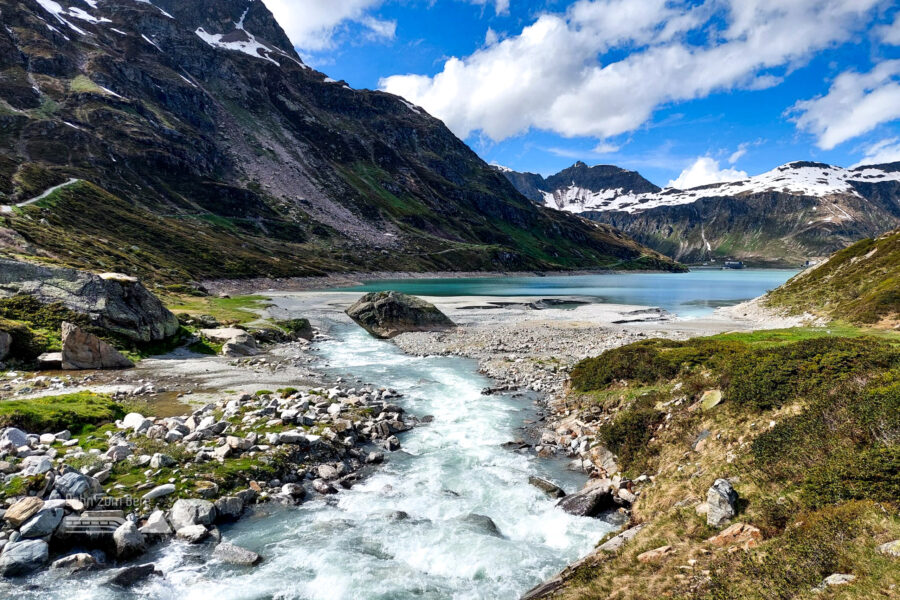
<point>721,501</point>
<point>117,303</point>
<point>83,350</point>
<point>595,498</point>
<point>388,314</point>
<point>22,558</point>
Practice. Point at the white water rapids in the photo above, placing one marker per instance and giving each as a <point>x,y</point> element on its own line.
<point>353,545</point>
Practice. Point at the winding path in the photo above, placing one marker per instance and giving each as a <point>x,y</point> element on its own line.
<point>6,209</point>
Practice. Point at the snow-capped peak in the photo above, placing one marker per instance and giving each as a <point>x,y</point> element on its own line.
<point>799,178</point>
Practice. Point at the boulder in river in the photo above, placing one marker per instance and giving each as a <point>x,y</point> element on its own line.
<point>594,499</point>
<point>24,557</point>
<point>115,302</point>
<point>235,555</point>
<point>388,314</point>
<point>83,350</point>
<point>548,487</point>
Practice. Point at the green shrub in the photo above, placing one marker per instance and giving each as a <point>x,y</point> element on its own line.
<point>868,474</point>
<point>771,377</point>
<point>629,434</point>
<point>652,361</point>
<point>50,414</point>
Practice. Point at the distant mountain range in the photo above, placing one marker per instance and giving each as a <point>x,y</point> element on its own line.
<point>793,213</point>
<point>182,140</point>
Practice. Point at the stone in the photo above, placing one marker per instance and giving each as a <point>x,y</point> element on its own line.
<point>229,507</point>
<point>49,361</point>
<point>549,488</point>
<point>22,558</point>
<point>47,439</point>
<point>115,302</point>
<point>194,511</point>
<point>161,461</point>
<point>156,524</point>
<point>5,344</point>
<point>328,472</point>
<point>236,342</point>
<point>595,498</point>
<point>36,465</point>
<point>294,490</point>
<point>839,579</point>
<point>118,453</point>
<point>375,458</point>
<point>83,350</point>
<point>614,544</point>
<point>223,451</point>
<point>43,523</point>
<point>160,491</point>
<point>741,534</point>
<point>721,501</point>
<point>323,487</point>
<point>192,534</point>
<point>388,314</point>
<point>23,510</point>
<point>129,541</point>
<point>235,555</point>
<point>130,576</point>
<point>16,437</point>
<point>483,523</point>
<point>206,489</point>
<point>710,398</point>
<point>133,421</point>
<point>76,562</point>
<point>890,549</point>
<point>654,555</point>
<point>76,485</point>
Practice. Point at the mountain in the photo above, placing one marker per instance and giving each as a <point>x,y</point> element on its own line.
<point>796,212</point>
<point>185,140</point>
<point>859,284</point>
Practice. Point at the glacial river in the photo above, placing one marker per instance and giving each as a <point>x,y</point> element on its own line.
<point>353,545</point>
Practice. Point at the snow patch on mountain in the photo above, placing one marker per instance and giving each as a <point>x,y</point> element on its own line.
<point>239,40</point>
<point>799,178</point>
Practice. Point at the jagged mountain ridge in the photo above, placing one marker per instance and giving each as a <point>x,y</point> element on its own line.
<point>793,213</point>
<point>196,143</point>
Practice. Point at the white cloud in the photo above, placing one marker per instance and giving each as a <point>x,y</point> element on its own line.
<point>605,148</point>
<point>737,154</point>
<point>549,76</point>
<point>705,170</point>
<point>885,151</point>
<point>501,7</point>
<point>855,104</point>
<point>890,34</point>
<point>312,24</point>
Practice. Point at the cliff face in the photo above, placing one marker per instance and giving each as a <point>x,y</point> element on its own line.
<point>794,213</point>
<point>193,132</point>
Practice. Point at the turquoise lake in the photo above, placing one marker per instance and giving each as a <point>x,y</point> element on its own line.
<point>692,294</point>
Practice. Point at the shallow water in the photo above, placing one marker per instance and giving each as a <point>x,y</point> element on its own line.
<point>692,294</point>
<point>350,547</point>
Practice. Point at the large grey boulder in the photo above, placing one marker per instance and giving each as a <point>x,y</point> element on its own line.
<point>388,314</point>
<point>83,350</point>
<point>235,555</point>
<point>129,541</point>
<point>15,437</point>
<point>721,500</point>
<point>76,485</point>
<point>592,500</point>
<point>43,523</point>
<point>22,558</point>
<point>112,301</point>
<point>187,512</point>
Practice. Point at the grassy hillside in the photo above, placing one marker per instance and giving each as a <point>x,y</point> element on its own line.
<point>807,432</point>
<point>860,284</point>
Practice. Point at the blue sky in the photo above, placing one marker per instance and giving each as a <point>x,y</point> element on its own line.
<point>692,91</point>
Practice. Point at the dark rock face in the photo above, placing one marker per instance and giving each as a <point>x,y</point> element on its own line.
<point>114,302</point>
<point>388,314</point>
<point>590,501</point>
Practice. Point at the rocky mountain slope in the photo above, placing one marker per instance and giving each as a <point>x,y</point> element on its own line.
<point>177,140</point>
<point>796,212</point>
<point>860,284</point>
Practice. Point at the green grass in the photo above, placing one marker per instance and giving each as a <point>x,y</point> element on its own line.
<point>51,414</point>
<point>860,284</point>
<point>236,310</point>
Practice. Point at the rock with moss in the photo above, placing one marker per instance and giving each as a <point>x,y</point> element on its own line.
<point>388,314</point>
<point>117,303</point>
